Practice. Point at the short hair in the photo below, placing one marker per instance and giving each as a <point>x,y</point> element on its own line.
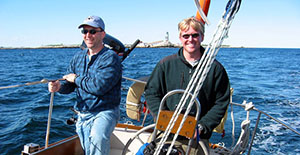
<point>193,22</point>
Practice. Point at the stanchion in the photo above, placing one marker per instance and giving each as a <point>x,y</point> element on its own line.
<point>49,119</point>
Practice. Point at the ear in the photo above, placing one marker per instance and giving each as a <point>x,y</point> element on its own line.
<point>180,38</point>
<point>201,38</point>
<point>104,33</point>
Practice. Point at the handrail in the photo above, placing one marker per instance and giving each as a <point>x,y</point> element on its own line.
<point>275,119</point>
<point>257,121</point>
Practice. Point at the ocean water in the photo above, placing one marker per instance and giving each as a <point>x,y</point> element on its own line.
<point>270,78</point>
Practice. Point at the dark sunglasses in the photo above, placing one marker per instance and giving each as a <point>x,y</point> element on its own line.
<point>92,31</point>
<point>187,36</point>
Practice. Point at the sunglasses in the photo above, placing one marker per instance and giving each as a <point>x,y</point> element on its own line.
<point>92,31</point>
<point>187,36</point>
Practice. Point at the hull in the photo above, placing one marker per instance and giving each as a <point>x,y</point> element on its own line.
<point>69,145</point>
<point>121,135</point>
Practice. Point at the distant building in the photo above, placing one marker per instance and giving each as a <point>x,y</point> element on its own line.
<point>160,43</point>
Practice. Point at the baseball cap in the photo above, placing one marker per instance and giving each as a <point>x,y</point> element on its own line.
<point>93,21</point>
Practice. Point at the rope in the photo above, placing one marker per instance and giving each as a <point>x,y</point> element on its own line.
<point>233,127</point>
<point>29,83</point>
<point>241,144</point>
<point>26,84</point>
<point>201,71</point>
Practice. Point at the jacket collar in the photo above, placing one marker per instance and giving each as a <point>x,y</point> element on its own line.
<point>180,55</point>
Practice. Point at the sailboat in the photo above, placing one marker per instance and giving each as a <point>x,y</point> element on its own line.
<point>128,138</point>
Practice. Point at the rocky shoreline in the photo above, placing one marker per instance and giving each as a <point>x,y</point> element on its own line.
<point>126,45</point>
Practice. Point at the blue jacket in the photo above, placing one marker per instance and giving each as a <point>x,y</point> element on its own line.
<point>98,81</point>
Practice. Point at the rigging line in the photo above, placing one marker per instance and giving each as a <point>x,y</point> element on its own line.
<point>202,74</point>
<point>233,127</point>
<point>194,80</point>
<point>198,83</point>
<point>189,89</point>
<point>184,98</point>
<point>225,24</point>
<point>31,83</point>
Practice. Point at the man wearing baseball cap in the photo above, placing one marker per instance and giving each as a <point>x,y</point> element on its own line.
<point>95,75</point>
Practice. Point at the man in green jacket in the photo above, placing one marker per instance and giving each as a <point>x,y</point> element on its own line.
<point>175,71</point>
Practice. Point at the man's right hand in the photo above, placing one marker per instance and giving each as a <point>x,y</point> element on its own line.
<point>54,86</point>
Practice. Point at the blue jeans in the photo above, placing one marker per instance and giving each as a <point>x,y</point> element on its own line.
<point>94,130</point>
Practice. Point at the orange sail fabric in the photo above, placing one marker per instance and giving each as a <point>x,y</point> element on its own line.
<point>205,7</point>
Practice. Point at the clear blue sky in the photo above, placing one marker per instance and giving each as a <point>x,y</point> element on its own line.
<point>259,23</point>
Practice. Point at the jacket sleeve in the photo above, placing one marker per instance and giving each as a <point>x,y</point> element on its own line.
<point>221,89</point>
<point>154,90</point>
<point>68,87</point>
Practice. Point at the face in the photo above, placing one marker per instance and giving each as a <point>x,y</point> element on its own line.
<point>191,40</point>
<point>93,41</point>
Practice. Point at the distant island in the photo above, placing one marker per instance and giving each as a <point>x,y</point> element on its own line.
<point>141,45</point>
<point>45,46</point>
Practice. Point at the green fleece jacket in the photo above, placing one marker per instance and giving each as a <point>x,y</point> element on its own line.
<point>174,72</point>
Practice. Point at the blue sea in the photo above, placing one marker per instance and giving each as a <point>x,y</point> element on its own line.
<point>268,77</point>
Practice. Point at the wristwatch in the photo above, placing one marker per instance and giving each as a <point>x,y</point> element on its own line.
<point>200,127</point>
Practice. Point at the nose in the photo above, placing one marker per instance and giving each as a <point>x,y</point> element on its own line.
<point>88,35</point>
<point>190,38</point>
